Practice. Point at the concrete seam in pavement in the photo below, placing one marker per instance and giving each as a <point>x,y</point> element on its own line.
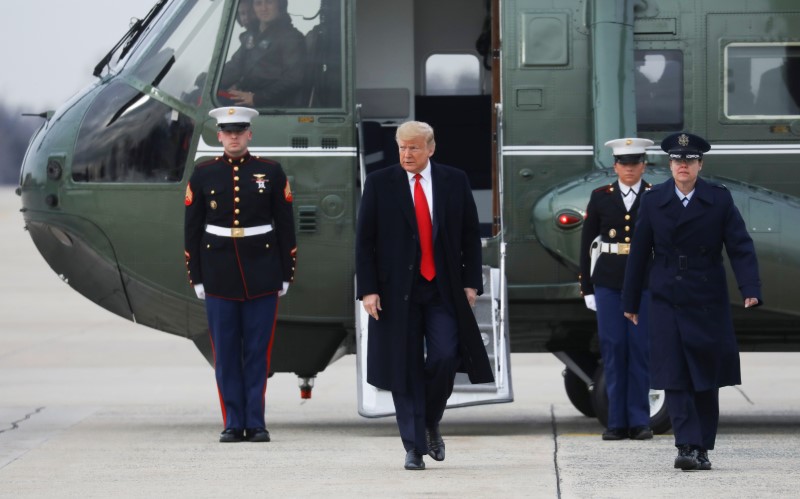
<point>15,424</point>
<point>555,449</point>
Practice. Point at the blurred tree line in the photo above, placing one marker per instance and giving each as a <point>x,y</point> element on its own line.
<point>15,133</point>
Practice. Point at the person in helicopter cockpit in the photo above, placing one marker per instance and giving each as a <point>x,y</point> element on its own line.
<point>268,68</point>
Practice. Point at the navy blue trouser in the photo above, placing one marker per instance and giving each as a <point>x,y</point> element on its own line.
<point>241,336</point>
<point>432,364</point>
<point>626,362</point>
<point>694,416</point>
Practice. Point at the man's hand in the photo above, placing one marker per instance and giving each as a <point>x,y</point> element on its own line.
<point>590,303</point>
<point>372,304</point>
<point>750,302</point>
<point>472,296</point>
<point>284,290</point>
<point>200,291</point>
<point>633,318</point>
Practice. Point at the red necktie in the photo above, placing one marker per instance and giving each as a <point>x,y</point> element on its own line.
<point>427,267</point>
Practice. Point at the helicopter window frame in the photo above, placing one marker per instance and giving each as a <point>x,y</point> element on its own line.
<point>452,73</point>
<point>127,136</point>
<point>662,107</point>
<point>314,97</point>
<point>734,54</point>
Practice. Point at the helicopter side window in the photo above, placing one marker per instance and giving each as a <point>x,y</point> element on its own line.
<point>279,59</point>
<point>177,63</point>
<point>127,136</point>
<point>762,81</point>
<point>659,89</point>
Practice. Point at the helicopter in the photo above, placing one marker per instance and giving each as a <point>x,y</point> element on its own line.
<point>522,95</point>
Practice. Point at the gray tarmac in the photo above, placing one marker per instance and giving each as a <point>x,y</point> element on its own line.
<point>94,406</point>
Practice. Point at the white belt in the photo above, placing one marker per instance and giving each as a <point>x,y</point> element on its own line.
<point>615,248</point>
<point>238,231</point>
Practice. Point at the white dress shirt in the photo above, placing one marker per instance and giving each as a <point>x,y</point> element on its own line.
<point>632,190</point>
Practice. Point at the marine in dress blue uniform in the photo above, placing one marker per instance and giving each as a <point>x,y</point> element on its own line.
<point>240,254</point>
<point>682,227</point>
<point>418,285</point>
<point>610,216</point>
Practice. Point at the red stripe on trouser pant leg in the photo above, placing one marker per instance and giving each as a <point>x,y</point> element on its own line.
<point>219,392</point>
<point>269,356</point>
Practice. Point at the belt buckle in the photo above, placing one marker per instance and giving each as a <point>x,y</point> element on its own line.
<point>237,231</point>
<point>623,248</point>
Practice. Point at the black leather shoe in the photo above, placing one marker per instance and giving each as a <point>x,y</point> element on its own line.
<point>257,435</point>
<point>687,458</point>
<point>231,435</point>
<point>640,433</point>
<point>702,458</point>
<point>414,460</point>
<point>435,443</point>
<point>615,434</point>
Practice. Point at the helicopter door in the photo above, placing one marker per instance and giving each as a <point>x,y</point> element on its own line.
<point>492,315</point>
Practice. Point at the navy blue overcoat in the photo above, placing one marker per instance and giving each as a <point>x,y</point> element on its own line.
<point>388,259</point>
<point>692,342</point>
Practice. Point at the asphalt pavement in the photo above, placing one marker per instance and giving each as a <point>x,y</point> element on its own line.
<point>92,405</point>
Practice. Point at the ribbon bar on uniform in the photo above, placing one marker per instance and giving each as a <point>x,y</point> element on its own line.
<point>238,231</point>
<point>615,248</point>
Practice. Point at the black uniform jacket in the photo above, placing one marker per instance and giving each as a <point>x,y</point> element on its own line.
<point>607,217</point>
<point>691,331</point>
<point>270,63</point>
<point>243,192</point>
<point>388,259</point>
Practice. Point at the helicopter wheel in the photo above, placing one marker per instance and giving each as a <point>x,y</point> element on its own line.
<point>659,418</point>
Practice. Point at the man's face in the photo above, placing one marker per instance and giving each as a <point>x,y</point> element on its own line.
<point>235,142</point>
<point>629,173</point>
<point>414,153</point>
<point>684,170</point>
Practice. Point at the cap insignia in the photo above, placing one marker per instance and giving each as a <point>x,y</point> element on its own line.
<point>231,111</point>
<point>683,140</point>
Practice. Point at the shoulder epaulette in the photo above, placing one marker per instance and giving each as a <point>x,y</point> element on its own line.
<point>605,188</point>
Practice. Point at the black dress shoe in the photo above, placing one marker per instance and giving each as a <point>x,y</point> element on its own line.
<point>257,435</point>
<point>687,458</point>
<point>702,458</point>
<point>231,435</point>
<point>414,460</point>
<point>615,434</point>
<point>640,433</point>
<point>435,443</point>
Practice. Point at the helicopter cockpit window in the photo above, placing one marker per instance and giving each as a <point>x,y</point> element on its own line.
<point>762,81</point>
<point>127,136</point>
<point>283,55</point>
<point>659,89</point>
<point>177,63</point>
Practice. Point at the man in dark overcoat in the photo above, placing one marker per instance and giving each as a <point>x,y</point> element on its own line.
<point>682,227</point>
<point>611,215</point>
<point>418,269</point>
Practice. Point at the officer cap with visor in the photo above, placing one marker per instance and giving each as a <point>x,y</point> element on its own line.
<point>233,118</point>
<point>629,151</point>
<point>684,145</point>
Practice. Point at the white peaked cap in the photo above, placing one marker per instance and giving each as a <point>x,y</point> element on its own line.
<point>233,114</point>
<point>622,147</point>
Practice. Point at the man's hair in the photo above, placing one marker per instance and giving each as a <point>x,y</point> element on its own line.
<point>413,129</point>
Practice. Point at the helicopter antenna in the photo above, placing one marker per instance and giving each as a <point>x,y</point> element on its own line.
<point>129,38</point>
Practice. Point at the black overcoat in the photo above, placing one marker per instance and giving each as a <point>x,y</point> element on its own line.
<point>388,259</point>
<point>692,342</point>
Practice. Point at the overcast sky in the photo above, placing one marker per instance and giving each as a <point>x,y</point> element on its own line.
<point>50,47</point>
